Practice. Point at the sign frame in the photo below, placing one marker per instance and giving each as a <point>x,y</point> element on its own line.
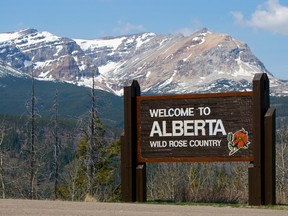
<point>173,99</point>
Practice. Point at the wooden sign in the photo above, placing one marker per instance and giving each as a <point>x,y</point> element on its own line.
<point>198,127</point>
<point>237,126</point>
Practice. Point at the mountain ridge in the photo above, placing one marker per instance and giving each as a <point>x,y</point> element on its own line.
<point>163,64</point>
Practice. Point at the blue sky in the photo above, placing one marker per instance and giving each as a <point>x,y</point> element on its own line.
<point>262,24</point>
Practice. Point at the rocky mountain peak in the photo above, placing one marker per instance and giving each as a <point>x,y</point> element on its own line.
<point>204,61</point>
<point>28,31</point>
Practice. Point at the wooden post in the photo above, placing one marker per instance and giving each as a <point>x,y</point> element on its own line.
<point>261,103</point>
<point>125,172</point>
<point>141,183</point>
<point>270,191</point>
<point>129,143</point>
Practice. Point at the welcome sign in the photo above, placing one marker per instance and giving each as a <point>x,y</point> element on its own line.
<point>199,127</point>
<point>239,126</point>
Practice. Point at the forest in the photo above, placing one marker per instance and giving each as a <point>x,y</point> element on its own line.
<point>79,160</point>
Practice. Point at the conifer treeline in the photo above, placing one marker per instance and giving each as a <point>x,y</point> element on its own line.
<point>185,182</point>
<point>78,159</point>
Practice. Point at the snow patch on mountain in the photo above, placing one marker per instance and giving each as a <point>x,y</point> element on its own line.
<point>110,66</point>
<point>7,70</point>
<point>28,38</point>
<point>113,43</point>
<point>9,36</point>
<point>162,64</point>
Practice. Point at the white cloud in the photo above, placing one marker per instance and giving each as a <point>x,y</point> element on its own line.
<point>128,28</point>
<point>271,16</point>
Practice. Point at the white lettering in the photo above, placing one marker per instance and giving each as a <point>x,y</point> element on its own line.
<point>219,128</point>
<point>158,144</point>
<point>188,128</point>
<point>177,143</point>
<point>177,128</point>
<point>204,110</point>
<point>156,129</point>
<point>162,113</point>
<point>200,127</point>
<point>165,133</point>
<point>210,125</point>
<point>205,143</point>
<point>172,112</point>
<point>153,112</point>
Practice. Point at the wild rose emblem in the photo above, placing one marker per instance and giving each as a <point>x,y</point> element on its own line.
<point>237,140</point>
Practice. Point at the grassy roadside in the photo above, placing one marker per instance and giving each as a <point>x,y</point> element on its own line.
<point>272,207</point>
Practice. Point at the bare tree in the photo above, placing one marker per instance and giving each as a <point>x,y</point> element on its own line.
<point>56,146</point>
<point>95,142</point>
<point>1,163</point>
<point>92,140</point>
<point>198,182</point>
<point>32,143</point>
<point>281,163</point>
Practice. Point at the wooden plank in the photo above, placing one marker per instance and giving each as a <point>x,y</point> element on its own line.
<point>196,159</point>
<point>125,172</point>
<point>254,190</point>
<point>129,151</point>
<point>261,103</point>
<point>208,95</point>
<point>270,191</point>
<point>141,195</point>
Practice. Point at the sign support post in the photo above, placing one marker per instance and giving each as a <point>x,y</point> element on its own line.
<point>141,195</point>
<point>262,174</point>
<point>269,124</point>
<point>133,177</point>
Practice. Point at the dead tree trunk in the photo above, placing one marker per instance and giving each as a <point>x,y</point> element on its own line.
<point>32,144</point>
<point>56,146</point>
<point>91,145</point>
<point>1,164</point>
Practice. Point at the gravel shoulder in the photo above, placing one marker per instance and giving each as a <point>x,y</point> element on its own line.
<point>9,207</point>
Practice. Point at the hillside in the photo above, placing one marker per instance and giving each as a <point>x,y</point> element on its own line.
<point>74,101</point>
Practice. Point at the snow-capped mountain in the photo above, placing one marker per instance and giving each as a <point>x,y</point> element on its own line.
<point>45,55</point>
<point>204,61</point>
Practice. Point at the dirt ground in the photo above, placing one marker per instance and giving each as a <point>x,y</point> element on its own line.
<point>15,207</point>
